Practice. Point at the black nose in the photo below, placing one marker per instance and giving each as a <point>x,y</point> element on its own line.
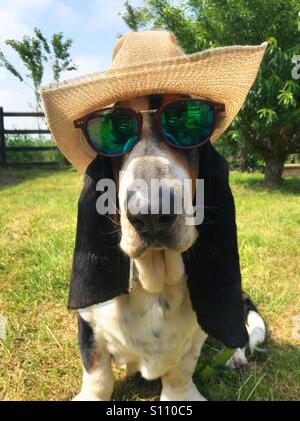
<point>153,223</point>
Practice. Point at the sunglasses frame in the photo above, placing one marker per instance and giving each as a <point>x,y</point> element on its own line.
<point>82,122</point>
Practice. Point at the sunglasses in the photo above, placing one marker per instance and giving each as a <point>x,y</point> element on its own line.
<point>184,123</point>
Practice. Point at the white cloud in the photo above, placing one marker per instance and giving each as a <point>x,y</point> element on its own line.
<point>19,17</point>
<point>14,14</point>
<point>65,13</point>
<point>86,64</point>
<point>2,73</point>
<point>11,25</point>
<point>105,14</point>
<point>24,5</point>
<point>85,22</point>
<point>12,99</point>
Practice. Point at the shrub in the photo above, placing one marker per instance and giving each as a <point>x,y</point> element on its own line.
<point>32,156</point>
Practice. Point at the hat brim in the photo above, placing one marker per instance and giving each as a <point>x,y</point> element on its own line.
<point>223,74</point>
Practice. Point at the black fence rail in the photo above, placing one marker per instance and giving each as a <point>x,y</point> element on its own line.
<point>4,148</point>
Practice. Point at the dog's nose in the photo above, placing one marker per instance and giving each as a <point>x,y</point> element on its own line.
<point>153,223</point>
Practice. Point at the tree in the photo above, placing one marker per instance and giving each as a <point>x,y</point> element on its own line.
<point>34,52</point>
<point>61,56</point>
<point>269,122</point>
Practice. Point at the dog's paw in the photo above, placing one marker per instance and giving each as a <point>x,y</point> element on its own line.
<point>256,330</point>
<point>189,394</point>
<point>238,360</point>
<point>82,396</point>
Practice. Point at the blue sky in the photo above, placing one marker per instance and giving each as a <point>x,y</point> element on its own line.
<point>94,26</point>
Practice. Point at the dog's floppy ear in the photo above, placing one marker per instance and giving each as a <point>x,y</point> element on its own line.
<point>100,270</point>
<point>213,269</point>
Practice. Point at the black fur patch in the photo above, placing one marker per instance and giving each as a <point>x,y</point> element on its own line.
<point>86,343</point>
<point>213,269</point>
<point>248,305</point>
<point>100,269</point>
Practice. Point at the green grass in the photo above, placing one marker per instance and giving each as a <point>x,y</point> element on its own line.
<point>39,358</point>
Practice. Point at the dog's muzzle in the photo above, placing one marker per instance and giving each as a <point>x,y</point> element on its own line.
<point>153,224</point>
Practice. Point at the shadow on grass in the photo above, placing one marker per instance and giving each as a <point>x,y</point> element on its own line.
<point>290,185</point>
<point>270,375</point>
<point>10,176</point>
<point>135,387</point>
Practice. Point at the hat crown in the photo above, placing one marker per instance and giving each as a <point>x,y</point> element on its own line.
<point>142,47</point>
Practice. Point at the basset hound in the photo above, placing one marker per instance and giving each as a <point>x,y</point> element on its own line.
<point>148,288</point>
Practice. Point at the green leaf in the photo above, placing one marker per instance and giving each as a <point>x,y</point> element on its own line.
<point>5,63</point>
<point>286,99</point>
<point>269,115</point>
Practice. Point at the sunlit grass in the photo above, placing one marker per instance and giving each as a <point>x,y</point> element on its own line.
<point>39,357</point>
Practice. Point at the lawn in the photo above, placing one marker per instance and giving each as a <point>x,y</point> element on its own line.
<point>39,358</point>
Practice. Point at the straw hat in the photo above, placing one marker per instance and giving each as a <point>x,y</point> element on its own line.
<point>147,63</point>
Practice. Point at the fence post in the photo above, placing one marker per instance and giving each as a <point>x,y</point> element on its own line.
<point>2,138</point>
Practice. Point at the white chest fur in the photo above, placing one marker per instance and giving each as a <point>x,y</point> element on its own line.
<point>149,332</point>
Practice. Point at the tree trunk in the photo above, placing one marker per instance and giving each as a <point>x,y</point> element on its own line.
<point>273,171</point>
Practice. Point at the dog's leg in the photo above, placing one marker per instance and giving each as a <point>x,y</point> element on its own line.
<point>177,383</point>
<point>131,369</point>
<point>257,332</point>
<point>97,380</point>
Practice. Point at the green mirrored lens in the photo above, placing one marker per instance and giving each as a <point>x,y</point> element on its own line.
<point>187,123</point>
<point>114,132</point>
